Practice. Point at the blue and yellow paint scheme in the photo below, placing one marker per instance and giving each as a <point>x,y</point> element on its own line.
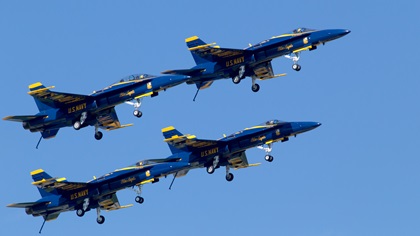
<point>229,151</point>
<point>214,63</point>
<point>58,109</point>
<point>60,195</point>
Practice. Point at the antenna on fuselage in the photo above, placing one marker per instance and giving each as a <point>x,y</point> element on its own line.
<point>198,90</point>
<point>42,226</point>
<point>38,142</point>
<point>170,186</point>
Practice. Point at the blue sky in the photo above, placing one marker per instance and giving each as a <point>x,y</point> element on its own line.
<point>357,174</point>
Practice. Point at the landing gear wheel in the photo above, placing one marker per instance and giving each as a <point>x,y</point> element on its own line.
<point>100,220</point>
<point>229,177</point>
<point>77,125</point>
<point>296,67</point>
<point>210,169</point>
<point>80,212</point>
<point>137,113</point>
<point>139,199</point>
<point>236,79</point>
<point>98,135</point>
<point>255,88</point>
<point>269,158</point>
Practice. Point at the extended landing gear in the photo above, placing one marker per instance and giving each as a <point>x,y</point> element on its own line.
<point>100,218</point>
<point>267,150</point>
<point>269,158</point>
<point>241,74</point>
<point>211,168</point>
<point>80,212</point>
<point>78,123</point>
<point>296,67</point>
<point>138,198</point>
<point>98,134</point>
<point>295,58</point>
<point>229,176</point>
<point>255,87</point>
<point>137,113</point>
<point>136,103</point>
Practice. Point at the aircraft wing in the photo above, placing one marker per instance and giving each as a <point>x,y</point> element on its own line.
<point>215,53</point>
<point>264,71</point>
<point>239,160</point>
<point>110,203</point>
<point>108,120</point>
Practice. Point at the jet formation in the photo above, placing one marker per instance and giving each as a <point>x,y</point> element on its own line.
<point>59,195</point>
<point>60,109</point>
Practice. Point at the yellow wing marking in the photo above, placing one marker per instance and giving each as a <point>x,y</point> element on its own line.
<point>302,49</point>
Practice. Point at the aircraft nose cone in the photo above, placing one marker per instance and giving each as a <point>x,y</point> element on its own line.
<point>301,127</point>
<point>338,33</point>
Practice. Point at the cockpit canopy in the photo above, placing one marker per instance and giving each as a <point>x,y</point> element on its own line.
<point>271,122</point>
<point>302,30</point>
<point>135,77</point>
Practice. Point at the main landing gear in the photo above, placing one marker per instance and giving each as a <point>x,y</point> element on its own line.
<point>98,134</point>
<point>85,207</point>
<point>255,87</point>
<point>241,74</point>
<point>211,168</point>
<point>78,123</point>
<point>268,157</point>
<point>136,103</point>
<point>138,198</point>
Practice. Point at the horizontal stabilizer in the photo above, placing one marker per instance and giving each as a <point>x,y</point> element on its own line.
<point>188,72</point>
<point>28,204</point>
<point>24,118</point>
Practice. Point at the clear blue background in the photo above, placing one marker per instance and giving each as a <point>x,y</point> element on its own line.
<point>357,174</point>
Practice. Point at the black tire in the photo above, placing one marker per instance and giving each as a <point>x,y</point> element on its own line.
<point>229,177</point>
<point>98,135</point>
<point>236,80</point>
<point>139,114</point>
<point>271,158</point>
<point>210,169</point>
<point>136,113</point>
<point>255,88</point>
<point>267,158</point>
<point>80,212</point>
<point>298,68</point>
<point>139,200</point>
<point>77,125</point>
<point>100,220</point>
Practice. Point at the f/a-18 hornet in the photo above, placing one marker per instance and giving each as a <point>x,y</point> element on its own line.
<point>58,110</point>
<point>229,151</point>
<point>60,195</point>
<point>214,62</point>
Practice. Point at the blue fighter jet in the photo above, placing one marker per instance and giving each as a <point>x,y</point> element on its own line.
<point>60,195</point>
<point>58,110</point>
<point>214,62</point>
<point>229,151</point>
